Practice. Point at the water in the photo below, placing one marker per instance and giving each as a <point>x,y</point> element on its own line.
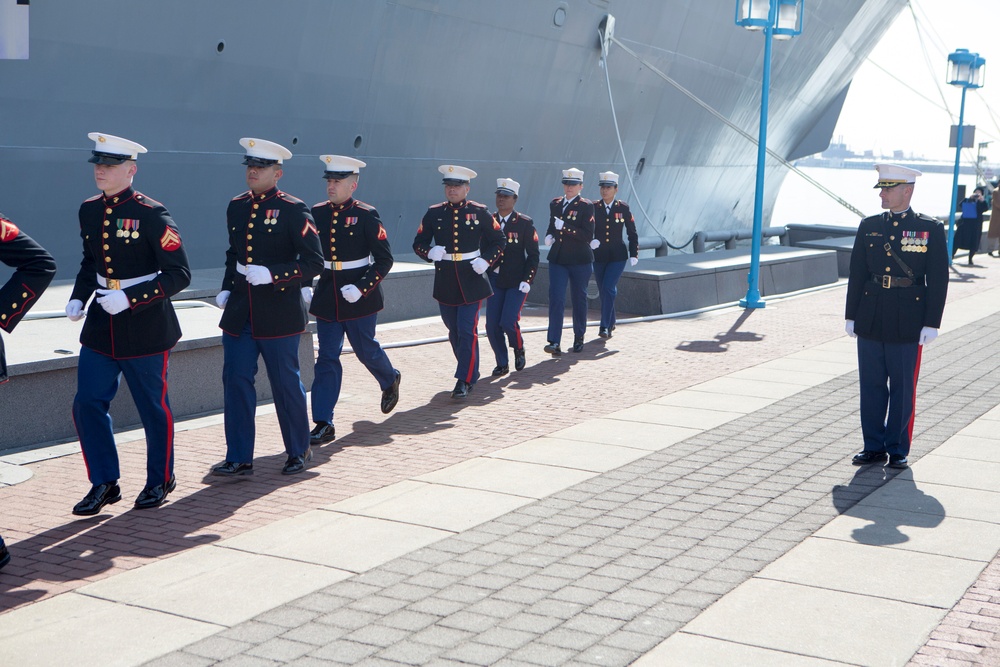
<point>801,202</point>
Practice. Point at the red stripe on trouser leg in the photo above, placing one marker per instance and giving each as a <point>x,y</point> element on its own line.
<point>517,322</point>
<point>170,419</point>
<point>475,345</point>
<point>913,412</point>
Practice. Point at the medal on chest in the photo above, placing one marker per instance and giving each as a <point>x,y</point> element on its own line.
<point>913,241</point>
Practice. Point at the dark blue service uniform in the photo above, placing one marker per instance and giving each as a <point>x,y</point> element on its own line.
<point>461,229</point>
<point>889,309</point>
<point>350,232</point>
<point>34,269</point>
<point>610,220</point>
<point>518,264</point>
<point>570,263</point>
<point>275,230</point>
<point>130,243</point>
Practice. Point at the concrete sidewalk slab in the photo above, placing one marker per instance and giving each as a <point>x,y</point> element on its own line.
<point>512,477</point>
<point>972,447</point>
<point>684,649</point>
<point>651,437</point>
<point>63,631</point>
<point>433,505</point>
<point>705,400</point>
<point>939,500</point>
<point>590,456</point>
<point>212,584</point>
<point>807,377</point>
<point>867,570</point>
<point>669,415</point>
<point>333,539</point>
<point>958,472</point>
<point>851,628</point>
<point>736,387</point>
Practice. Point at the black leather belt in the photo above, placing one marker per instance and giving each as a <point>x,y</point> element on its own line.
<point>889,282</point>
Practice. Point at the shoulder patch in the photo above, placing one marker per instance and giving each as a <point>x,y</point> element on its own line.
<point>309,226</point>
<point>536,236</point>
<point>8,230</point>
<point>496,225</point>
<point>382,236</point>
<point>170,240</point>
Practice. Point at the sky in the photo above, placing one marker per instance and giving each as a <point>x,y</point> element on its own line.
<point>900,100</point>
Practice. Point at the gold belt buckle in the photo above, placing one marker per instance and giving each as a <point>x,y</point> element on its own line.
<point>456,257</point>
<point>114,283</point>
<point>887,281</point>
<point>337,266</point>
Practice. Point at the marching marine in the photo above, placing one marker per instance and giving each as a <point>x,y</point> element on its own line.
<point>895,300</point>
<point>611,217</point>
<point>348,295</point>
<point>511,280</point>
<point>273,252</point>
<point>34,269</point>
<point>134,259</point>
<point>466,242</point>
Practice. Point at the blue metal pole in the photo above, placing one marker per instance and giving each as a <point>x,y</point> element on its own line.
<point>954,182</point>
<point>753,299</point>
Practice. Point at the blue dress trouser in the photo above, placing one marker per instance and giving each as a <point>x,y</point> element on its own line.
<point>463,323</point>
<point>503,314</point>
<point>607,274</point>
<point>888,377</point>
<point>98,377</point>
<point>576,276</point>
<point>281,358</point>
<point>329,372</point>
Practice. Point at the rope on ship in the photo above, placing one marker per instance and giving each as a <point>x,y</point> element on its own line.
<point>704,105</point>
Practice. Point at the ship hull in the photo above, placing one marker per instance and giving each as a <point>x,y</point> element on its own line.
<point>513,89</point>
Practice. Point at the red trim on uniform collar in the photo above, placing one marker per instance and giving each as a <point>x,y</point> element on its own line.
<point>340,207</point>
<point>273,192</point>
<point>461,204</point>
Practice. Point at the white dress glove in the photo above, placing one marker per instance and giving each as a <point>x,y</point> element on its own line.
<point>849,328</point>
<point>549,240</point>
<point>524,287</point>
<point>595,244</point>
<point>221,298</point>
<point>436,254</point>
<point>307,294</point>
<point>113,301</point>
<point>479,265</point>
<point>927,335</point>
<point>633,260</point>
<point>351,293</point>
<point>559,223</point>
<point>259,275</point>
<point>74,310</point>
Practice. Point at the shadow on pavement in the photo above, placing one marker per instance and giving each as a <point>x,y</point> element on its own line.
<point>722,341</point>
<point>914,507</point>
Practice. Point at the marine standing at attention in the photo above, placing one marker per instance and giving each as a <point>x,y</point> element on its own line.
<point>570,234</point>
<point>134,259</point>
<point>273,252</point>
<point>611,217</point>
<point>895,300</point>
<point>511,280</point>
<point>348,295</point>
<point>467,241</point>
<point>34,269</point>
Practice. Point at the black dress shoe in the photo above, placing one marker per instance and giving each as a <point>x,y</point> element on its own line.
<point>391,395</point>
<point>461,390</point>
<point>500,371</point>
<point>99,496</point>
<point>603,333</point>
<point>232,469</point>
<point>322,434</point>
<point>553,349</point>
<point>4,554</point>
<point>866,457</point>
<point>577,345</point>
<point>518,358</point>
<point>898,461</point>
<point>154,496</point>
<point>296,464</point>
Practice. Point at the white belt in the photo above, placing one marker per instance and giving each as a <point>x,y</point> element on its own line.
<point>459,256</point>
<point>114,283</point>
<point>353,264</point>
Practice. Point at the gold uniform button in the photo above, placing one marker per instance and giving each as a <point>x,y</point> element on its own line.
<point>133,300</point>
<point>250,226</point>
<point>105,235</point>
<point>107,247</point>
<point>107,259</point>
<point>256,206</point>
<point>13,305</point>
<point>887,269</point>
<point>24,295</point>
<point>335,214</point>
<point>156,291</point>
<point>3,317</point>
<point>249,249</point>
<point>895,224</point>
<point>333,248</point>
<point>253,215</point>
<point>110,270</point>
<point>108,211</point>
<point>333,258</point>
<point>107,223</point>
<point>249,237</point>
<point>145,296</point>
<point>286,274</point>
